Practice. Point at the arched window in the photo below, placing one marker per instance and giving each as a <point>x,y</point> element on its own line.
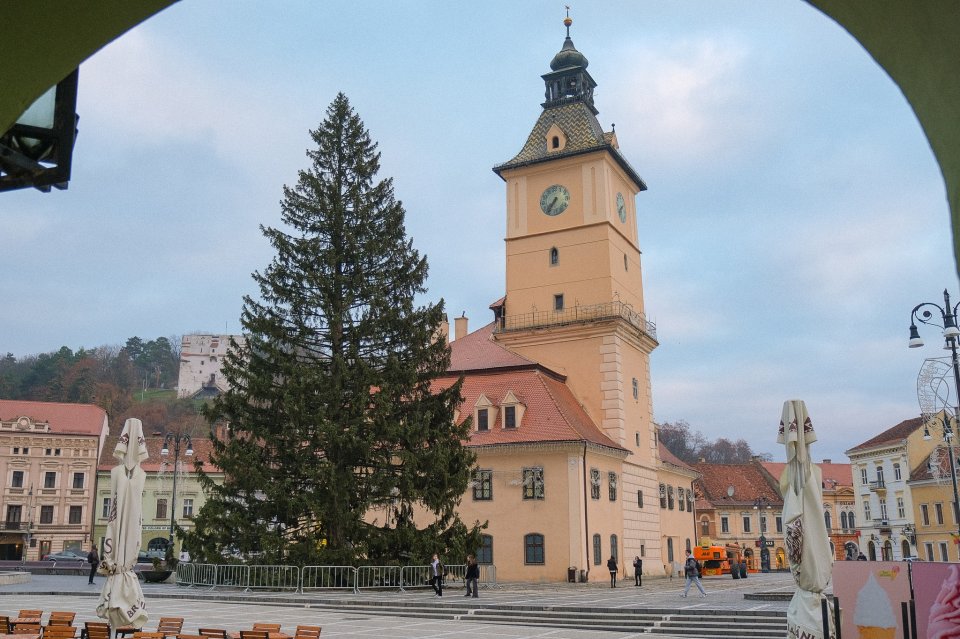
<point>554,256</point>
<point>705,527</point>
<point>614,552</point>
<point>670,549</point>
<point>872,551</point>
<point>533,552</point>
<point>905,549</point>
<point>555,142</point>
<point>850,521</point>
<point>596,550</point>
<point>485,552</point>
<point>843,520</point>
<point>828,520</point>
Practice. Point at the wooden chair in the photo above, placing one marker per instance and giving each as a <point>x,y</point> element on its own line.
<point>33,614</point>
<point>124,631</point>
<point>4,625</point>
<point>148,635</point>
<point>96,630</point>
<point>27,629</point>
<point>307,632</point>
<point>59,632</point>
<point>213,633</point>
<point>61,618</point>
<point>169,626</point>
<point>269,627</point>
<point>255,634</point>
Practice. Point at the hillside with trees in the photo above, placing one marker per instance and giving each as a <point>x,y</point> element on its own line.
<point>693,446</point>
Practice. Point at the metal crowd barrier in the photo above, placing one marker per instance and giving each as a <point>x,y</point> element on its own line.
<point>292,578</point>
<point>328,577</point>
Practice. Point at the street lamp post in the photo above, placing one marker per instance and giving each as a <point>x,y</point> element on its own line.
<point>946,318</point>
<point>176,439</point>
<point>759,504</point>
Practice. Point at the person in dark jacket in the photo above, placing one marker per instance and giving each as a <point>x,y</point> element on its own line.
<point>691,570</point>
<point>612,567</point>
<point>637,571</point>
<point>436,578</point>
<point>93,558</point>
<point>473,575</point>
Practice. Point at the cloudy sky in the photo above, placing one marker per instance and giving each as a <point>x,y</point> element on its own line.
<point>794,217</point>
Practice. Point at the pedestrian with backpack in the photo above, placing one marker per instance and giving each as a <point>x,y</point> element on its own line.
<point>436,579</point>
<point>691,570</point>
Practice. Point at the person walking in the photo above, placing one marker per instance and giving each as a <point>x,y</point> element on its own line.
<point>472,577</point>
<point>637,571</point>
<point>691,570</point>
<point>612,567</point>
<point>436,580</point>
<point>93,558</point>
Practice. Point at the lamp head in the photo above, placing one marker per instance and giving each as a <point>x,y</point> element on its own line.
<point>915,340</point>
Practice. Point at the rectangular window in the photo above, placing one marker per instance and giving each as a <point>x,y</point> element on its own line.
<point>48,452</point>
<point>105,513</point>
<point>780,523</point>
<point>13,514</point>
<point>896,472</point>
<point>929,548</point>
<point>594,483</point>
<point>56,452</point>
<point>46,514</point>
<point>938,510</point>
<point>663,496</point>
<point>863,476</point>
<point>510,417</point>
<point>78,480</point>
<point>187,508</point>
<point>483,485</point>
<point>533,483</point>
<point>76,514</point>
<point>681,505</point>
<point>689,500</point>
<point>161,509</point>
<point>763,523</point>
<point>640,498</point>
<point>746,523</point>
<point>636,388</point>
<point>670,497</point>
<point>612,486</point>
<point>883,509</point>
<point>482,423</point>
<point>16,480</point>
<point>596,550</point>
<point>485,553</point>
<point>866,510</point>
<point>558,302</point>
<point>943,552</point>
<point>704,527</point>
<point>50,480</point>
<point>533,549</point>
<point>901,508</point>
<point>724,524</point>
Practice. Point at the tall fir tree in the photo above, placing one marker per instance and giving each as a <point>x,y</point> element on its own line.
<point>335,437</point>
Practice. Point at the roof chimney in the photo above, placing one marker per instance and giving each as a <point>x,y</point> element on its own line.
<point>460,326</point>
<point>443,331</point>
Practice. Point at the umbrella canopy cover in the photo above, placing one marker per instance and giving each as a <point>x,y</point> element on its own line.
<point>121,601</point>
<point>808,546</point>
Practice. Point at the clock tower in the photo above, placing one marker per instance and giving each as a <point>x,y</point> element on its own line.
<point>574,291</point>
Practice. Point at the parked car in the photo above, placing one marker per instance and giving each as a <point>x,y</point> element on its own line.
<point>147,556</point>
<point>66,555</point>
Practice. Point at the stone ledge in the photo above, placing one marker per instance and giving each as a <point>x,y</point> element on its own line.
<point>14,577</point>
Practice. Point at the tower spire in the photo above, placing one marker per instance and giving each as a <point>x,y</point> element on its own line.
<point>568,80</point>
<point>568,20</point>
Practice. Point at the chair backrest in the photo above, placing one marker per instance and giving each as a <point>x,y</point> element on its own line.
<point>170,625</point>
<point>254,634</point>
<point>61,618</point>
<point>269,627</point>
<point>97,630</point>
<point>27,629</point>
<point>4,625</point>
<point>59,632</point>
<point>307,632</point>
<point>148,635</point>
<point>214,633</point>
<point>31,613</point>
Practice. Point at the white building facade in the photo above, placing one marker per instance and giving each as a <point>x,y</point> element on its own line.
<point>201,357</point>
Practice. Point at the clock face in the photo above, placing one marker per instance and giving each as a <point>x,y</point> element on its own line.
<point>554,200</point>
<point>621,207</point>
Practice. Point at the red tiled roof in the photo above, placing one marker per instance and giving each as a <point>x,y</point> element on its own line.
<point>478,351</point>
<point>669,458</point>
<point>890,436</point>
<point>924,471</point>
<point>552,413</point>
<point>839,473</point>
<point>72,419</point>
<point>748,481</point>
<point>202,448</point>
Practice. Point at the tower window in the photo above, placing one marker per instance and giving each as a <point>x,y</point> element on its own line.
<point>636,388</point>
<point>625,266</point>
<point>558,302</point>
<point>554,256</point>
<point>555,142</point>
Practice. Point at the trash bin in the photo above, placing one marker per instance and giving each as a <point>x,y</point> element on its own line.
<point>572,574</point>
<point>735,571</point>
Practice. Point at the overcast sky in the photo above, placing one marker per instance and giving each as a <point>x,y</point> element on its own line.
<point>795,213</point>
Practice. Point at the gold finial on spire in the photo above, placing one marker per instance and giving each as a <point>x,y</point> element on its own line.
<point>568,20</point>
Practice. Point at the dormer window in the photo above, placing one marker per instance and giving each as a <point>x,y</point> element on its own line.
<point>484,413</point>
<point>555,142</point>
<point>556,139</point>
<point>512,411</point>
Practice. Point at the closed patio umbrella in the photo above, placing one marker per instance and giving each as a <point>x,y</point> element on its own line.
<point>808,546</point>
<point>121,601</point>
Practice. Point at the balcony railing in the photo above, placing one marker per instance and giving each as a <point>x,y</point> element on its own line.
<point>579,314</point>
<point>16,525</point>
<point>878,485</point>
